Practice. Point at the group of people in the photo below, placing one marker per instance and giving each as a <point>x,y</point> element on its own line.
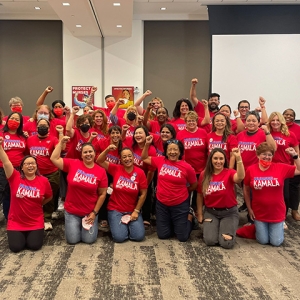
<point>121,167</point>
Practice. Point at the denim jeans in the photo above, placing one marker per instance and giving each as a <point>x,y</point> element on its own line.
<point>134,230</point>
<point>74,231</point>
<point>272,233</point>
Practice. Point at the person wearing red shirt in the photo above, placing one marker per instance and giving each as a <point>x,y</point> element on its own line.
<point>41,147</point>
<point>294,183</point>
<point>16,105</point>
<point>15,147</point>
<point>195,146</point>
<point>2,122</point>
<point>100,124</point>
<point>43,112</point>
<point>216,192</point>
<point>128,196</point>
<point>182,107</point>
<point>29,192</point>
<point>266,181</point>
<point>236,125</point>
<point>167,132</point>
<point>175,179</point>
<point>222,137</point>
<point>87,185</point>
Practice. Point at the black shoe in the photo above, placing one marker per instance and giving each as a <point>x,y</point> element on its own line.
<point>195,220</point>
<point>243,207</point>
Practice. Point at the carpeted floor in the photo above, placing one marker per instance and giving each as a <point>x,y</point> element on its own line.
<point>152,269</point>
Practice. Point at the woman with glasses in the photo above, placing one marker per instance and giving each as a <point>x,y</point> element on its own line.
<point>175,179</point>
<point>266,181</point>
<point>14,144</point>
<point>29,192</point>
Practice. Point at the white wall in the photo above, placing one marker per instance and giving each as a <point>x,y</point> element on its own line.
<point>123,62</point>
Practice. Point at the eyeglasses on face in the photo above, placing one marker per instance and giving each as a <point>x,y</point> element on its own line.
<point>266,155</point>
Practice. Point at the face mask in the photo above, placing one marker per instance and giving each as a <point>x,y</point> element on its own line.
<point>85,128</point>
<point>17,109</point>
<point>58,111</point>
<point>42,130</point>
<point>12,124</point>
<point>110,105</point>
<point>42,116</point>
<point>131,116</point>
<point>264,163</point>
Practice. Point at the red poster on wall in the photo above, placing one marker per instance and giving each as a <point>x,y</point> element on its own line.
<point>124,92</point>
<point>81,96</point>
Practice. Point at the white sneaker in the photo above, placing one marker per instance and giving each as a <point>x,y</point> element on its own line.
<point>47,226</point>
<point>55,215</point>
<point>60,205</point>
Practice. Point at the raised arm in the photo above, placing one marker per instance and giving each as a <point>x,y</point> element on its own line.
<point>7,165</point>
<point>264,115</point>
<point>69,127</point>
<point>41,99</point>
<point>240,171</point>
<point>147,114</point>
<point>55,157</point>
<point>206,119</point>
<point>240,126</point>
<point>139,101</point>
<point>101,159</point>
<point>145,157</point>
<point>91,96</point>
<point>193,95</point>
<point>269,138</point>
<point>293,153</point>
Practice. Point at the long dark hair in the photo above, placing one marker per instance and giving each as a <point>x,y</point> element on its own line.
<point>171,129</point>
<point>227,130</point>
<point>116,128</point>
<point>209,168</point>
<point>134,143</point>
<point>20,128</point>
<point>176,111</point>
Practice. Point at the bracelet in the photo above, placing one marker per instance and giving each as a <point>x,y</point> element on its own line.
<point>136,210</point>
<point>93,211</point>
<point>267,133</point>
<point>295,156</point>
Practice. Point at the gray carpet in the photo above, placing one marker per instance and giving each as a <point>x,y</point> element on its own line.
<point>153,269</point>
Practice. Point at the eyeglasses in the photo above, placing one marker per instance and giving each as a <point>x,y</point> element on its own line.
<point>29,164</point>
<point>266,155</point>
<point>172,141</point>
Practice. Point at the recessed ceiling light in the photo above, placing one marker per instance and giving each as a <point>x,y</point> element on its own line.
<point>116,4</point>
<point>78,26</point>
<point>66,4</point>
<point>119,26</point>
<point>163,8</point>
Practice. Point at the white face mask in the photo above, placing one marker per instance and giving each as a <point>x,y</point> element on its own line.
<point>42,116</point>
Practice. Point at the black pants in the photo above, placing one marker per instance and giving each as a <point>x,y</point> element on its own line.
<point>18,240</point>
<point>291,192</point>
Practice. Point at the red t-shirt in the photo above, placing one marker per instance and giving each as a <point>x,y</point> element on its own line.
<point>282,141</point>
<point>126,187</point>
<point>26,208</point>
<point>83,184</point>
<point>178,124</point>
<point>158,144</point>
<point>112,156</point>
<point>42,149</point>
<point>267,191</point>
<point>295,128</point>
<point>233,125</point>
<point>100,135</point>
<point>154,127</point>
<point>215,141</point>
<point>15,148</point>
<point>220,193</point>
<point>31,127</point>
<point>25,119</point>
<point>194,148</point>
<point>172,180</point>
<point>247,144</point>
<point>75,144</point>
<point>106,110</point>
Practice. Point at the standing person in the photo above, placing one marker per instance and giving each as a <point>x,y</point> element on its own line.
<point>294,183</point>
<point>100,124</point>
<point>249,139</point>
<point>236,125</point>
<point>2,122</point>
<point>175,179</point>
<point>216,192</point>
<point>16,105</point>
<point>87,185</point>
<point>182,107</point>
<point>41,147</point>
<point>29,192</point>
<point>266,181</point>
<point>195,147</point>
<point>222,136</point>
<point>285,139</point>
<point>14,144</point>
<point>127,198</point>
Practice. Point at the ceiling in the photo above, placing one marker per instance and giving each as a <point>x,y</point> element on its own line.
<point>100,17</point>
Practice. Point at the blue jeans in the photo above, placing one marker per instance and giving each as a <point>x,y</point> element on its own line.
<point>272,233</point>
<point>75,233</point>
<point>134,230</point>
<point>173,219</point>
